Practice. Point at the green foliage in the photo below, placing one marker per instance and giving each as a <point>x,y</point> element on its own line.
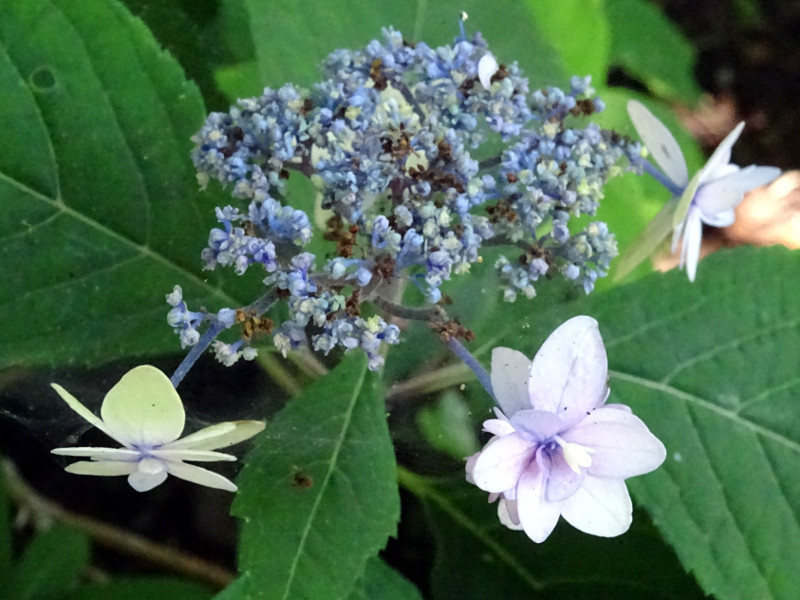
<point>650,47</point>
<point>381,581</point>
<point>578,30</point>
<point>711,367</point>
<point>49,565</point>
<point>137,588</point>
<point>98,193</point>
<point>318,493</point>
<point>301,39</point>
<point>477,557</point>
<point>102,217</point>
<point>447,427</point>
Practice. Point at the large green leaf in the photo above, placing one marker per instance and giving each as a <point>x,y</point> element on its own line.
<point>98,198</point>
<point>651,48</point>
<point>291,39</point>
<point>711,367</point>
<point>477,557</point>
<point>578,30</point>
<point>318,493</point>
<point>50,564</point>
<point>381,581</point>
<point>136,588</point>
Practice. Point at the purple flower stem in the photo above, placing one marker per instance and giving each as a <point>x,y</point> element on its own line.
<point>195,352</point>
<point>483,376</point>
<point>656,174</point>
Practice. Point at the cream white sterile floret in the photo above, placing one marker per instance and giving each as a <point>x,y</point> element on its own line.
<point>144,413</point>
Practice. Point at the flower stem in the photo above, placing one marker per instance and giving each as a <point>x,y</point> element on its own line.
<point>469,360</point>
<point>45,510</point>
<point>656,174</point>
<point>198,349</point>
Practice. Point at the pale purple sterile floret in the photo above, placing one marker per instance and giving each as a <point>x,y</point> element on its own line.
<point>557,448</point>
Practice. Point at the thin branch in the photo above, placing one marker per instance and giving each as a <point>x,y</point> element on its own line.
<point>430,314</point>
<point>114,537</point>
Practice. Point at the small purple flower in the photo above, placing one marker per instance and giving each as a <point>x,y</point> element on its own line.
<point>558,449</point>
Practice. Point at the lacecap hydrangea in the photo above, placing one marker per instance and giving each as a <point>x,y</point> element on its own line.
<point>395,139</point>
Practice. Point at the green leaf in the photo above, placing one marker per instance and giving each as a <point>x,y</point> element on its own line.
<point>477,557</point>
<point>290,43</point>
<point>578,30</point>
<point>136,588</point>
<point>447,426</point>
<point>381,581</point>
<point>318,493</point>
<point>711,367</point>
<point>50,564</point>
<point>190,32</point>
<point>650,47</point>
<point>98,197</point>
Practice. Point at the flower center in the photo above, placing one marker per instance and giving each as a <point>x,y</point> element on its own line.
<point>577,456</point>
<point>150,466</point>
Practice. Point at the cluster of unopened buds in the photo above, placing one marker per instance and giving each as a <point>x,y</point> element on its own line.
<point>390,138</point>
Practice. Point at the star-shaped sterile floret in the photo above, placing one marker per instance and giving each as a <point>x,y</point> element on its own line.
<point>557,448</point>
<point>709,197</point>
<point>144,413</point>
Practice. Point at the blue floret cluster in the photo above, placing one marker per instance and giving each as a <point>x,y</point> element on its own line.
<point>389,139</point>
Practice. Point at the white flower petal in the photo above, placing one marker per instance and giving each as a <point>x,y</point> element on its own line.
<point>539,425</point>
<point>190,454</point>
<point>569,372</point>
<point>537,515</point>
<point>144,482</point>
<point>563,480</point>
<point>501,462</point>
<point>84,412</point>
<point>721,157</point>
<point>600,507</point>
<point>621,449</point>
<point>724,218</point>
<point>692,240</point>
<point>105,468</point>
<point>659,142</point>
<point>200,476</point>
<point>727,192</point>
<point>217,436</point>
<point>511,371</point>
<point>498,427</point>
<point>507,513</point>
<point>487,66</point>
<point>143,408</point>
<point>99,453</point>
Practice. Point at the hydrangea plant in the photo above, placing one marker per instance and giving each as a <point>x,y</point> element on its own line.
<point>373,240</point>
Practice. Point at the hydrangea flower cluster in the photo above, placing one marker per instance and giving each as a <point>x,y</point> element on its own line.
<point>390,138</point>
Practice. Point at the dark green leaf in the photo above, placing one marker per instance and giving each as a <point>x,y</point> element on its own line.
<point>139,588</point>
<point>711,367</point>
<point>50,564</point>
<point>651,48</point>
<point>291,40</point>
<point>98,195</point>
<point>318,493</point>
<point>478,558</point>
<point>189,30</point>
<point>382,582</point>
